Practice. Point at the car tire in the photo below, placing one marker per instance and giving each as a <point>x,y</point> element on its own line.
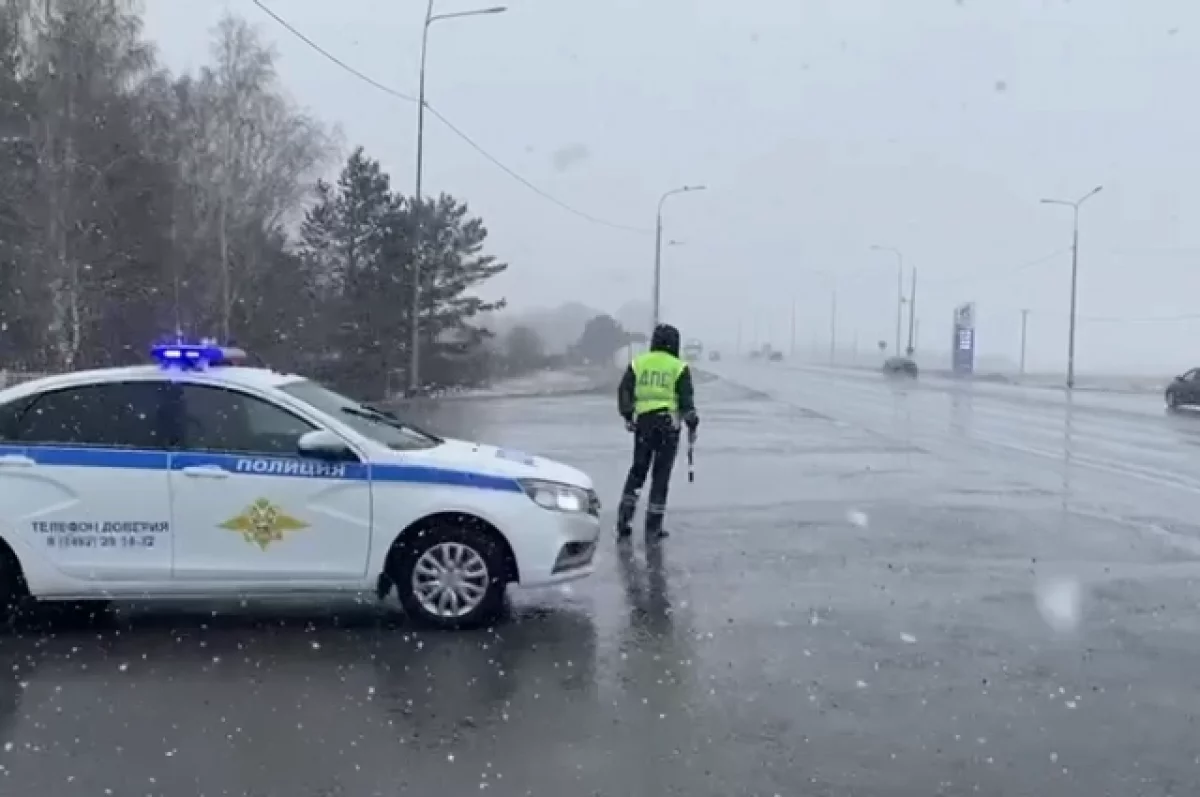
<point>87,612</point>
<point>12,592</point>
<point>473,559</point>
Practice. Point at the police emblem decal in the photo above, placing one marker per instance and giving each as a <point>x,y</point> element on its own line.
<point>263,523</point>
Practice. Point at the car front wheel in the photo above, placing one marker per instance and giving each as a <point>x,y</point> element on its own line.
<point>450,576</point>
<point>11,592</point>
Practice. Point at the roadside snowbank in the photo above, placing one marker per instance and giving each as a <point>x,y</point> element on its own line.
<point>545,383</point>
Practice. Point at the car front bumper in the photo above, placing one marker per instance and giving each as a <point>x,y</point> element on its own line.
<point>561,548</point>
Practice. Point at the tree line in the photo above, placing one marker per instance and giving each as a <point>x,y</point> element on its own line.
<point>135,203</point>
<point>523,349</point>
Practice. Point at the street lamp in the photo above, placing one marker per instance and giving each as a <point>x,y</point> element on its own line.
<point>1074,275</point>
<point>899,288</point>
<point>658,245</point>
<point>414,380</point>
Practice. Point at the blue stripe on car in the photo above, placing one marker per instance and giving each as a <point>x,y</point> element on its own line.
<point>279,467</point>
<point>90,457</point>
<point>421,474</point>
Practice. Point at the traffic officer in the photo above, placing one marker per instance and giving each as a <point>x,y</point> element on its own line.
<point>656,395</point>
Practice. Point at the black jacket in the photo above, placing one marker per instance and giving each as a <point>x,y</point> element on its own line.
<point>666,339</point>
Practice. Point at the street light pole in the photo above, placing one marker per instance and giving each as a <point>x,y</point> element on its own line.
<point>833,329</point>
<point>414,344</point>
<point>1074,275</point>
<point>658,229</point>
<point>792,349</point>
<point>1024,324</point>
<point>899,288</point>
<point>912,315</point>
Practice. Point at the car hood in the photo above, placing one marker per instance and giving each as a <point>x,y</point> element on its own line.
<point>464,455</point>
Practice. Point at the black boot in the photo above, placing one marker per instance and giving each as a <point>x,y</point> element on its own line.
<point>625,512</point>
<point>654,524</point>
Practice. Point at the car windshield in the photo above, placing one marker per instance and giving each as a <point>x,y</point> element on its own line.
<point>377,423</point>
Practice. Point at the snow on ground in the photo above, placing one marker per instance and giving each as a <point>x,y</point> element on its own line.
<point>547,383</point>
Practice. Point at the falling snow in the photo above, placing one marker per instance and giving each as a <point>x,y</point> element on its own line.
<point>1060,603</point>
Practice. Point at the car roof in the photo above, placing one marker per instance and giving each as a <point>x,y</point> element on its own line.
<point>253,378</point>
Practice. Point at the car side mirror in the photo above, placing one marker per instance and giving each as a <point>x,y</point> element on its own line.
<point>323,444</point>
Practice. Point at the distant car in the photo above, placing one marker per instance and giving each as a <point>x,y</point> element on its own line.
<point>714,356</point>
<point>902,367</point>
<point>1184,390</point>
<point>775,356</point>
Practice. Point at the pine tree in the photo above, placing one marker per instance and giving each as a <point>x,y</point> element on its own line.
<point>453,265</point>
<point>352,250</point>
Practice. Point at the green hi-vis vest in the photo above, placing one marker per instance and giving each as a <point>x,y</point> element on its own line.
<point>656,373</point>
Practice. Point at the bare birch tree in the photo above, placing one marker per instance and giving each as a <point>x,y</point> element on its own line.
<point>254,161</point>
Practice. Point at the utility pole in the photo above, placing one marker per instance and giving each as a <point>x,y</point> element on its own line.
<point>1074,276</point>
<point>899,305</point>
<point>1024,324</point>
<point>833,330</point>
<point>912,313</point>
<point>899,289</point>
<point>792,352</point>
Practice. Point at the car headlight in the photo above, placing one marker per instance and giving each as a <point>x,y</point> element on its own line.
<point>556,496</point>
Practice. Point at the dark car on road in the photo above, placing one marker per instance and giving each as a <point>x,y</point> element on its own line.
<point>1184,390</point>
<point>900,367</point>
<point>775,356</point>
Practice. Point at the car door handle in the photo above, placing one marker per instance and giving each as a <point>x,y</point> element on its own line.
<point>205,472</point>
<point>16,461</point>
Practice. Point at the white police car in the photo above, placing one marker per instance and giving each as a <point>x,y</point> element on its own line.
<point>198,478</point>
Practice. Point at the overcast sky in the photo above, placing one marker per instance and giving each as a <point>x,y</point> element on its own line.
<point>820,127</point>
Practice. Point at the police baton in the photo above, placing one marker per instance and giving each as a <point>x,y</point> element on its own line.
<point>691,456</point>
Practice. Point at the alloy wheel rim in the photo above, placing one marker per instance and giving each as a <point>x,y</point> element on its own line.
<point>450,580</point>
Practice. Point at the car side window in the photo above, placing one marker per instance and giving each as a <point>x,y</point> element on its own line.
<point>216,419</point>
<point>114,415</point>
<point>10,415</point>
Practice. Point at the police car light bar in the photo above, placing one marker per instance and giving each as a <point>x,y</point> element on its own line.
<point>196,356</point>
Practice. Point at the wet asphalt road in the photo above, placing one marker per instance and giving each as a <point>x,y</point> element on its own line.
<point>849,606</point>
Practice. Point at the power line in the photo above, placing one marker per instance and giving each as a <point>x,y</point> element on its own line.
<point>1001,272</point>
<point>1116,319</point>
<point>330,56</point>
<point>449,125</point>
<point>549,197</point>
<point>1166,319</point>
<point>856,275</point>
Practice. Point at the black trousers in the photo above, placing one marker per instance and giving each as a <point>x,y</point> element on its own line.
<point>656,442</point>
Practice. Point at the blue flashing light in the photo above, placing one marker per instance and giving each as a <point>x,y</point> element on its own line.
<point>195,356</point>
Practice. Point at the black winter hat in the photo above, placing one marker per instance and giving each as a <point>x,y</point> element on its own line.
<point>665,338</point>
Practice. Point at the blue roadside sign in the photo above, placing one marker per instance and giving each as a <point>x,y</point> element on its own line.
<point>963,351</point>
